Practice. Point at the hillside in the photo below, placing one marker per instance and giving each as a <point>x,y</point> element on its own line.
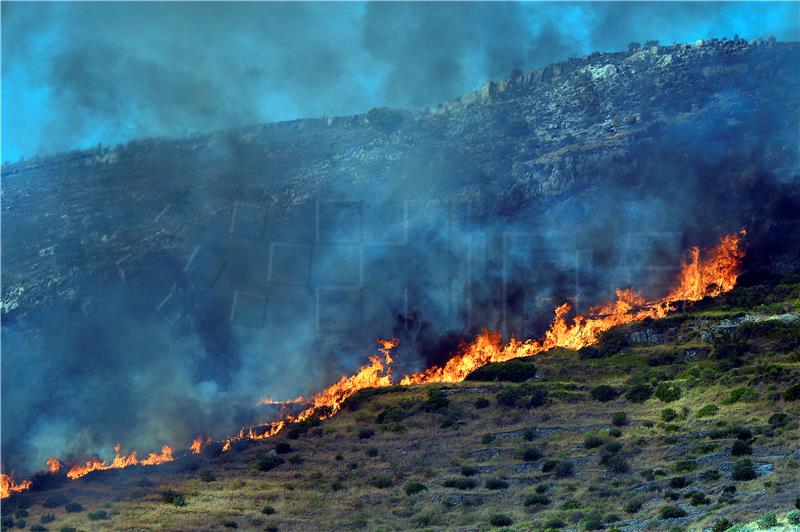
<point>685,423</point>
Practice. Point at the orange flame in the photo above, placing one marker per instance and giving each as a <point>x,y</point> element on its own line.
<point>120,461</point>
<point>8,486</point>
<point>198,444</point>
<point>53,465</point>
<point>700,277</point>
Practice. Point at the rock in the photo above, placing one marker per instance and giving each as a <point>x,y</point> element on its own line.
<point>647,336</point>
<point>784,318</point>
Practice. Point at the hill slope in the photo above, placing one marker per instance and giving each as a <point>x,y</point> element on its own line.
<point>685,423</point>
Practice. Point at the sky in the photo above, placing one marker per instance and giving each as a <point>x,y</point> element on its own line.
<point>78,74</point>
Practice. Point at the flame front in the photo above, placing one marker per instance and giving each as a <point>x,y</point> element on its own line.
<point>120,461</point>
<point>700,277</point>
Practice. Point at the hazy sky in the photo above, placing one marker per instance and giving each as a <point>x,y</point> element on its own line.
<point>75,74</point>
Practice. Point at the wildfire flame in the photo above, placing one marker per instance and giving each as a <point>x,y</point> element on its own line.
<point>699,277</point>
<point>8,486</point>
<point>120,461</point>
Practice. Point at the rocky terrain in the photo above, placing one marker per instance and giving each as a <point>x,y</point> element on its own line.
<point>685,423</point>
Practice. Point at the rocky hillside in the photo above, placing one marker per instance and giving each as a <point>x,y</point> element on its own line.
<point>685,423</point>
<point>717,116</point>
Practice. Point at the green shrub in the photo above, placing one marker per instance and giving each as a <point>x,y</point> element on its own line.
<point>633,505</point>
<point>668,392</point>
<point>436,401</point>
<point>741,448</point>
<point>73,507</point>
<point>720,525</point>
<point>709,475</point>
<point>698,499</point>
<point>529,434</point>
<point>793,517</point>
<point>47,518</point>
<point>99,515</point>
<point>604,393</point>
<point>778,419</point>
<point>230,524</point>
<point>553,523</point>
<point>283,448</point>
<point>207,476</point>
<point>412,488</point>
<point>591,441</point>
<point>460,483</point>
<point>510,397</point>
<point>267,510</point>
<point>269,462</point>
<point>684,466</point>
<point>678,482</point>
<point>390,414</point>
<point>612,447</point>
<point>767,521</point>
<point>615,432</point>
<point>481,402</point>
<point>708,411</point>
<point>496,484</point>
<point>469,471</point>
<point>381,481</point>
<point>564,469</point>
<point>742,394</point>
<point>365,434</point>
<point>619,419</point>
<point>743,470</point>
<point>792,393</point>
<point>615,464</point>
<point>671,512</point>
<point>54,501</point>
<point>487,438</point>
<point>530,454</point>
<point>173,497</point>
<point>536,499</point>
<point>500,520</point>
<point>639,393</point>
<point>742,433</point>
<point>668,414</point>
<point>511,371</point>
<point>372,452</point>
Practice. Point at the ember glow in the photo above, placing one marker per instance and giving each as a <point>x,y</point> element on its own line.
<point>700,277</point>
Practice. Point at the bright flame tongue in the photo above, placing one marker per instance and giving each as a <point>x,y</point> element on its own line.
<point>8,486</point>
<point>699,278</point>
<point>120,461</point>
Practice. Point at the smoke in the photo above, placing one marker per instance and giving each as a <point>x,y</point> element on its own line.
<point>273,271</point>
<point>78,74</point>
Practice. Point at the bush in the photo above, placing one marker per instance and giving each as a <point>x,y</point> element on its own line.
<point>778,419</point>
<point>792,393</point>
<point>639,393</point>
<point>436,401</point>
<point>591,441</point>
<point>269,462</point>
<point>767,521</point>
<point>522,396</point>
<point>698,499</point>
<point>381,481</point>
<point>619,419</point>
<point>500,520</point>
<point>743,470</point>
<point>73,507</point>
<point>742,433</point>
<point>612,447</point>
<point>365,434</point>
<point>671,512</point>
<point>530,454</point>
<point>460,483</point>
<point>230,524</point>
<point>633,506</point>
<point>372,452</point>
<point>615,464</point>
<point>742,394</point>
<point>529,434</point>
<point>564,469</point>
<point>668,392</point>
<point>793,517</point>
<point>549,465</point>
<point>708,411</point>
<point>536,499</point>
<point>603,393</point>
<point>47,518</point>
<point>678,482</point>
<point>511,371</point>
<point>99,515</point>
<point>412,488</point>
<point>720,525</point>
<point>496,484</point>
<point>481,402</point>
<point>668,414</point>
<point>741,448</point>
<point>207,476</point>
<point>615,432</point>
<point>390,414</point>
<point>709,475</point>
<point>173,497</point>
<point>267,510</point>
<point>469,471</point>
